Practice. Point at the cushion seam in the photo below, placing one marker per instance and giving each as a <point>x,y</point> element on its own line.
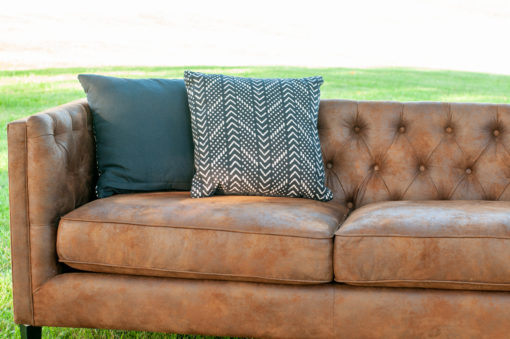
<point>191,272</point>
<point>423,281</point>
<point>419,236</point>
<point>192,228</point>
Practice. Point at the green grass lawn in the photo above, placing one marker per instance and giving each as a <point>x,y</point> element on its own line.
<point>23,93</point>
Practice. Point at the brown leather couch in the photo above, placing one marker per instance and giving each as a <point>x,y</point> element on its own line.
<point>416,242</point>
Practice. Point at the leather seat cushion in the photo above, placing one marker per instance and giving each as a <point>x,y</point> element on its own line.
<point>249,238</point>
<point>433,244</point>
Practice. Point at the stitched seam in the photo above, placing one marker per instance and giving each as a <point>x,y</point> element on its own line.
<point>452,192</point>
<point>481,186</point>
<point>419,236</point>
<point>427,160</point>
<point>334,173</point>
<point>333,304</point>
<point>410,184</point>
<point>27,209</point>
<point>384,182</point>
<point>433,184</point>
<point>189,228</point>
<point>191,272</point>
<point>425,281</point>
<point>38,288</point>
<point>503,191</point>
<point>383,158</point>
<point>504,148</point>
<point>57,134</point>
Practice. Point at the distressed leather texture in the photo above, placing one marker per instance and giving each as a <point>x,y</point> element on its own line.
<point>51,172</point>
<point>454,156</point>
<point>226,237</point>
<point>244,309</point>
<point>20,236</point>
<point>441,244</point>
<point>379,312</point>
<point>222,308</point>
<point>378,151</point>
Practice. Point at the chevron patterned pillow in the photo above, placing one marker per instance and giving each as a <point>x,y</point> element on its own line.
<point>256,136</point>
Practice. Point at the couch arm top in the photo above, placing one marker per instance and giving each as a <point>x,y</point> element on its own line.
<point>51,172</point>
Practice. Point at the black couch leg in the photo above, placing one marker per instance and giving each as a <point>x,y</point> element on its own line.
<point>30,332</point>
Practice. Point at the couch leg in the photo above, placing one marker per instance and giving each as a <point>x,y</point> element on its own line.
<point>30,332</point>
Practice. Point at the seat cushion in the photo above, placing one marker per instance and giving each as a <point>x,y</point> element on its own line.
<point>169,234</point>
<point>434,244</point>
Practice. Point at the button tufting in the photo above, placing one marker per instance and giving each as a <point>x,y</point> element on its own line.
<point>442,153</point>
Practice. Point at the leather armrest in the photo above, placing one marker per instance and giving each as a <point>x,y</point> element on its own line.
<point>51,172</point>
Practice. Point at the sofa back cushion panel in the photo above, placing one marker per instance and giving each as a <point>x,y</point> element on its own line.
<point>143,134</point>
<point>378,151</point>
<point>256,136</point>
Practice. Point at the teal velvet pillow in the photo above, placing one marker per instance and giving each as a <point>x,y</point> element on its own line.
<point>143,134</point>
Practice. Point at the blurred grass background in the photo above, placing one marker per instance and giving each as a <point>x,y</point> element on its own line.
<point>24,92</point>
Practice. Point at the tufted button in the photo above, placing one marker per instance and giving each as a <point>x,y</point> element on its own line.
<point>376,168</point>
<point>357,129</point>
<point>468,171</point>
<point>422,168</point>
<point>402,129</point>
<point>448,130</point>
<point>495,133</point>
<point>350,205</point>
<point>329,165</point>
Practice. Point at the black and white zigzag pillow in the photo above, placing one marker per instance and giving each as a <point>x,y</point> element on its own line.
<point>256,136</point>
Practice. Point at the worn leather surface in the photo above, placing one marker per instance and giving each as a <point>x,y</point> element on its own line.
<point>51,172</point>
<point>251,238</point>
<point>20,236</point>
<point>373,151</point>
<point>441,244</point>
<point>367,312</point>
<point>246,309</point>
<point>378,151</point>
<point>185,306</point>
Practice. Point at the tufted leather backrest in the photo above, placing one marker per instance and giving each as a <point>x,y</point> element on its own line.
<point>377,151</point>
